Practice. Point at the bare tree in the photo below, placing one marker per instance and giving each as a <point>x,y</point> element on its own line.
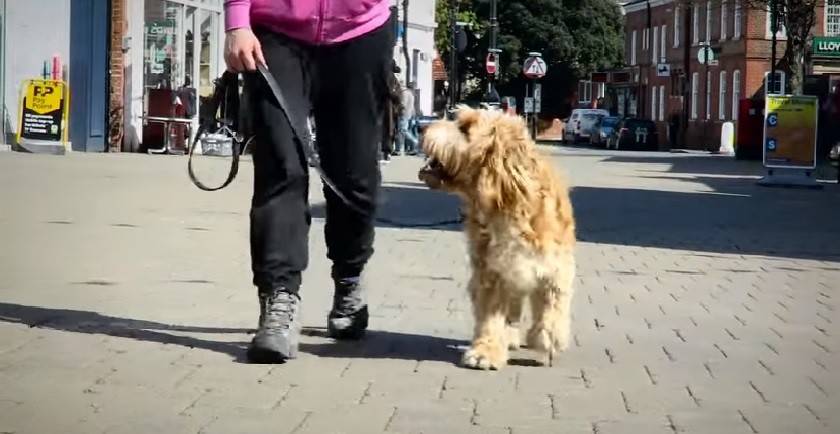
<point>797,18</point>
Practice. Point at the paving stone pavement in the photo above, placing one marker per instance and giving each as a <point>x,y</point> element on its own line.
<point>704,304</point>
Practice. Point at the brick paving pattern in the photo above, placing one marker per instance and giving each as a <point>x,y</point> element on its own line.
<point>704,304</point>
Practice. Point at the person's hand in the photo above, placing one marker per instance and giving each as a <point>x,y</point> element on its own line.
<point>242,50</point>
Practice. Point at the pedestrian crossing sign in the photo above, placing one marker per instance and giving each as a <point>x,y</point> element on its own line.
<point>534,67</point>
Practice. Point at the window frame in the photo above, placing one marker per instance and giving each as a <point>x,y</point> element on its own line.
<point>662,103</point>
<point>722,96</point>
<point>723,18</point>
<point>736,93</point>
<point>677,25</point>
<point>782,82</point>
<point>695,94</point>
<point>826,9</point>
<point>737,18</point>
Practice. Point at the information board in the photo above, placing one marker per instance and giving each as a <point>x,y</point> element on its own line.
<point>790,132</point>
<point>43,111</point>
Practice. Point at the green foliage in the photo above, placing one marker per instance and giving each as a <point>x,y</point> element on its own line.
<point>575,37</point>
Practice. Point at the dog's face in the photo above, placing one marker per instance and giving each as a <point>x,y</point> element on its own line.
<point>478,152</point>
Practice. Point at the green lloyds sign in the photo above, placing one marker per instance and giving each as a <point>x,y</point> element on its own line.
<point>824,46</point>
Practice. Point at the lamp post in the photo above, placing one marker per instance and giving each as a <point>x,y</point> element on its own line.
<point>774,28</point>
<point>453,53</point>
<point>493,47</point>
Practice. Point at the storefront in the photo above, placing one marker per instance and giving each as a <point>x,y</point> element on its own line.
<point>825,58</point>
<point>174,54</point>
<point>72,38</point>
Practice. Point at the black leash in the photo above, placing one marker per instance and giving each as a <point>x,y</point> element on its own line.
<point>230,81</point>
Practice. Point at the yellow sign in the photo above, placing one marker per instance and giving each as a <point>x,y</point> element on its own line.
<point>44,96</point>
<point>43,111</point>
<point>790,132</point>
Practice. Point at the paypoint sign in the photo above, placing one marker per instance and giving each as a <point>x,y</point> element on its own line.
<point>43,111</point>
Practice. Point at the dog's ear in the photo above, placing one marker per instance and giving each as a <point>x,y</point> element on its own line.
<point>466,118</point>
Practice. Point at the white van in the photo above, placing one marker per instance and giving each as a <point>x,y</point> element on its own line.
<point>575,130</point>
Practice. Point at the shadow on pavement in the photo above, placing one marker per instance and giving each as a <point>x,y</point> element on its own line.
<point>735,216</point>
<point>797,225</point>
<point>410,204</point>
<point>376,344</point>
<point>81,321</point>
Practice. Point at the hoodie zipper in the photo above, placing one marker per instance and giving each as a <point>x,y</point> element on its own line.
<point>322,6</point>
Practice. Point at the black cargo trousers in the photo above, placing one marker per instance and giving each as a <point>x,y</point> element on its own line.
<point>344,85</point>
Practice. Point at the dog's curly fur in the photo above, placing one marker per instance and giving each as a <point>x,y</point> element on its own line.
<point>520,228</point>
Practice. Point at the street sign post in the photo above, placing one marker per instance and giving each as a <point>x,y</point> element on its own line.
<point>790,140</point>
<point>534,67</point>
<point>491,64</point>
<point>528,107</point>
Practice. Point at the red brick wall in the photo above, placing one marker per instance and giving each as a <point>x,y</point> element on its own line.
<point>749,54</point>
<point>116,77</point>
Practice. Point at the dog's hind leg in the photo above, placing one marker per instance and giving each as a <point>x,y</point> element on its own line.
<point>489,346</point>
<point>551,310</point>
<point>513,318</point>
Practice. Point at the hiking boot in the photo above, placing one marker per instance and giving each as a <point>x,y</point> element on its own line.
<point>279,329</point>
<point>348,318</point>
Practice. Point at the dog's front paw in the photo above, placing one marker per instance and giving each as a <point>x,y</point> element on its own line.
<point>548,341</point>
<point>485,357</point>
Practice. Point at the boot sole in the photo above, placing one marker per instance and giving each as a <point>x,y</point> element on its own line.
<point>266,356</point>
<point>355,331</point>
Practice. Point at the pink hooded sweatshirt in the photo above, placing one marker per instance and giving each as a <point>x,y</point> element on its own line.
<point>317,22</point>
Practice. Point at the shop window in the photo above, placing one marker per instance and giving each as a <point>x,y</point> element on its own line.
<point>164,53</point>
<point>182,49</point>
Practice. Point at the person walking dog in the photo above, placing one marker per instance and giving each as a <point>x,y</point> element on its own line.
<point>331,58</point>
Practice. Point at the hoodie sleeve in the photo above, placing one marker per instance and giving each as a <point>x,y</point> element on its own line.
<point>237,14</point>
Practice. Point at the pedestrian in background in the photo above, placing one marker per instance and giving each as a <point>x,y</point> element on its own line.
<point>406,139</point>
<point>390,118</point>
<point>332,57</point>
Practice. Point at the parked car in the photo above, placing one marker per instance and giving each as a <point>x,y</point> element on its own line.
<point>603,130</point>
<point>423,122</point>
<point>634,134</point>
<point>575,130</point>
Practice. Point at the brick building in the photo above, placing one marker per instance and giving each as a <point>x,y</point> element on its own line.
<point>663,79</point>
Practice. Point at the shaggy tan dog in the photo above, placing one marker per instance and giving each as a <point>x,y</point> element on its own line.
<point>520,228</point>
